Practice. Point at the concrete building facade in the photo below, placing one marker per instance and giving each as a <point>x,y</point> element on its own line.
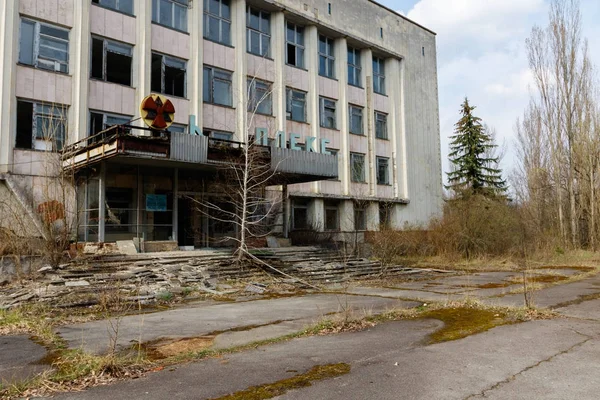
<point>346,78</point>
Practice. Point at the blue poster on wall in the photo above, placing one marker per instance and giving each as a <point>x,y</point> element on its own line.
<point>156,202</point>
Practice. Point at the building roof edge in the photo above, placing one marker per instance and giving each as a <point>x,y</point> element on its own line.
<point>402,16</point>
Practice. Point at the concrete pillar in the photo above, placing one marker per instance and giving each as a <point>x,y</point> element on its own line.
<point>102,203</point>
<point>240,91</point>
<point>341,72</point>
<point>394,71</point>
<point>196,61</point>
<point>316,214</point>
<point>367,65</point>
<point>175,204</point>
<point>311,58</point>
<point>372,216</point>
<point>142,59</point>
<point>9,34</point>
<point>278,54</point>
<point>347,216</point>
<point>80,70</point>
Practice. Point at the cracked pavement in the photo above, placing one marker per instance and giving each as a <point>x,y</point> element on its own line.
<point>549,359</point>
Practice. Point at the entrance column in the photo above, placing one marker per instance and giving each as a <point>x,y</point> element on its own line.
<point>102,202</point>
<point>175,204</point>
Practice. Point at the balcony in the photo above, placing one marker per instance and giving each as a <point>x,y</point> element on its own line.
<point>196,152</point>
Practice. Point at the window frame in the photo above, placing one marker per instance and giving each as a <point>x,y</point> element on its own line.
<point>378,163</point>
<point>351,114</point>
<point>323,107</point>
<point>38,61</point>
<point>362,212</point>
<point>330,207</point>
<point>222,20</point>
<point>105,116</point>
<point>214,134</point>
<point>289,99</point>
<point>353,176</point>
<point>300,204</point>
<point>379,75</point>
<point>254,104</point>
<point>355,66</point>
<point>299,45</point>
<point>105,50</point>
<point>212,71</point>
<point>37,134</point>
<point>381,118</point>
<point>261,34</point>
<point>328,56</point>
<point>156,16</point>
<point>116,8</point>
<point>165,59</point>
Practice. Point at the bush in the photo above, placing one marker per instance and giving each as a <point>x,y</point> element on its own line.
<point>471,226</point>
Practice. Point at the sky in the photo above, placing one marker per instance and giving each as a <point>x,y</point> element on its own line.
<point>482,55</point>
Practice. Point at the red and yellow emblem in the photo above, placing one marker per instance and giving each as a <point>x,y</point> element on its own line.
<point>157,111</point>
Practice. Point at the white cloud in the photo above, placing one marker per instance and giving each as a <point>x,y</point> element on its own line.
<point>481,55</point>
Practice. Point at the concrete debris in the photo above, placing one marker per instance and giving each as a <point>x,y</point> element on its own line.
<point>143,276</point>
<point>45,268</point>
<point>127,247</point>
<point>256,288</point>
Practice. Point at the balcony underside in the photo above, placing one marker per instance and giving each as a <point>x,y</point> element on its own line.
<point>191,152</point>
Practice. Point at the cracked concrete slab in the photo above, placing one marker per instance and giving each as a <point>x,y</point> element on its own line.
<point>20,364</point>
<point>587,310</point>
<point>202,319</point>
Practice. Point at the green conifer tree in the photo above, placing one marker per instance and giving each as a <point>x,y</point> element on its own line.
<point>474,171</point>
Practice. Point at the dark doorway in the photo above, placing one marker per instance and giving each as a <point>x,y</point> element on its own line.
<point>185,222</point>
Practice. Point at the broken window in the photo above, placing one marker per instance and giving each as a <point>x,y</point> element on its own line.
<point>44,46</point>
<point>295,105</point>
<point>168,75</point>
<point>217,86</point>
<point>125,6</point>
<point>357,167</point>
<point>111,61</point>
<point>100,122</point>
<point>327,112</point>
<point>300,214</point>
<point>355,114</point>
<point>217,21</point>
<point>178,128</point>
<point>354,67</point>
<point>41,126</point>
<point>295,45</point>
<point>259,97</point>
<point>383,171</point>
<point>218,135</point>
<point>332,220</point>
<point>258,32</point>
<point>170,13</point>
<point>378,75</point>
<point>360,218</point>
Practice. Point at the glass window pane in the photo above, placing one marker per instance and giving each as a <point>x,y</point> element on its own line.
<point>54,49</point>
<point>118,48</point>
<point>300,57</point>
<point>226,33</point>
<point>225,10</point>
<point>181,18</point>
<point>206,86</point>
<point>322,66</point>
<point>254,19</point>
<point>213,29</point>
<point>166,12</point>
<point>126,6</point>
<point>266,45</point>
<point>330,67</point>
<point>51,31</point>
<point>322,45</point>
<point>265,23</point>
<point>291,33</point>
<point>300,35</point>
<point>222,93</point>
<point>26,45</point>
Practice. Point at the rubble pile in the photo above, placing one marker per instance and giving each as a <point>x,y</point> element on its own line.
<point>143,277</point>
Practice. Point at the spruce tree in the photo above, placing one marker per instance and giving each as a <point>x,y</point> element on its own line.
<point>474,171</point>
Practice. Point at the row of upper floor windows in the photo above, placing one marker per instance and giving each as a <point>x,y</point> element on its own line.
<point>47,46</point>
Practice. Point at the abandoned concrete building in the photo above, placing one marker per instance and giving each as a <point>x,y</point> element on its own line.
<point>348,114</point>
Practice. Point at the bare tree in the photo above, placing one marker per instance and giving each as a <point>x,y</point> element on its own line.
<point>557,135</point>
